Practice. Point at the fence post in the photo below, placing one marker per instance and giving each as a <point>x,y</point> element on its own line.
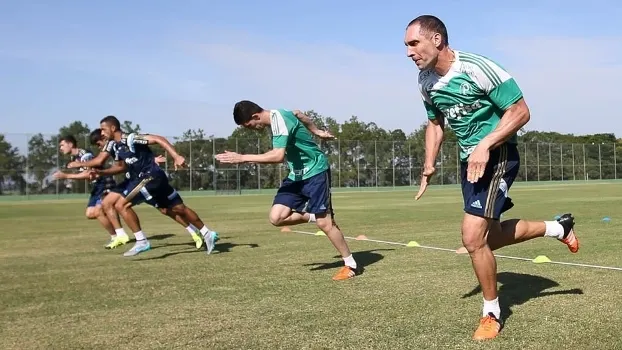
<point>442,169</point>
<point>561,158</point>
<point>393,161</point>
<point>585,176</point>
<point>237,167</point>
<point>615,163</point>
<point>457,163</point>
<point>600,164</point>
<point>574,175</point>
<point>376,164</point>
<point>550,164</point>
<point>214,176</point>
<point>410,166</point>
<point>57,167</point>
<point>358,163</point>
<point>258,165</point>
<point>526,166</point>
<point>538,159</point>
<point>191,164</point>
<point>339,162</point>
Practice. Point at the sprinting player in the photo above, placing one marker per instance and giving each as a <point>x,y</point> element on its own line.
<point>99,187</point>
<point>308,183</point>
<point>112,196</point>
<point>147,182</point>
<point>485,107</point>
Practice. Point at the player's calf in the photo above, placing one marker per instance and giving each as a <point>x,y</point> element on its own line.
<point>326,223</point>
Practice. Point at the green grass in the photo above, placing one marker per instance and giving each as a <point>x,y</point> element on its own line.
<point>263,289</point>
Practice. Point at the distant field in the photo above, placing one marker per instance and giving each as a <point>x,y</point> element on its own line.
<point>264,289</point>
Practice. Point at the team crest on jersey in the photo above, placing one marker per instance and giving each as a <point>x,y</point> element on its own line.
<point>465,88</point>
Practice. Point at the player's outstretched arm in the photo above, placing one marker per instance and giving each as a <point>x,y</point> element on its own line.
<point>78,176</point>
<point>275,155</point>
<point>117,168</point>
<point>96,162</point>
<point>149,139</point>
<point>309,124</point>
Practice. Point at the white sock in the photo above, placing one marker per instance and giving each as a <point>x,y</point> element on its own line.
<point>311,217</point>
<point>140,236</point>
<point>554,229</point>
<point>204,230</point>
<point>349,261</point>
<point>191,229</point>
<point>120,232</point>
<point>492,306</point>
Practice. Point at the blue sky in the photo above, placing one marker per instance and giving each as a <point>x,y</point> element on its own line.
<point>171,67</point>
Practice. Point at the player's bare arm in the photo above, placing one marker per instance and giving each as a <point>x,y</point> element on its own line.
<point>275,155</point>
<point>117,167</point>
<point>96,162</point>
<point>85,175</point>
<point>434,133</point>
<point>178,160</point>
<point>514,118</point>
<point>309,124</point>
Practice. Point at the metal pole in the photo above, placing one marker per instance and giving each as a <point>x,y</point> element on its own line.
<point>258,165</point>
<point>457,163</point>
<point>376,164</point>
<point>600,163</point>
<point>191,164</point>
<point>574,175</point>
<point>410,166</point>
<point>585,177</point>
<point>561,158</point>
<point>57,167</point>
<point>358,171</point>
<point>27,167</point>
<point>442,169</point>
<point>538,159</point>
<point>237,167</point>
<point>339,161</point>
<point>393,161</point>
<point>214,176</point>
<point>526,163</point>
<point>615,163</point>
<point>550,164</point>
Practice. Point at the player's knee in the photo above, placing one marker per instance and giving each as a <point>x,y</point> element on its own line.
<point>91,213</point>
<point>120,205</point>
<point>474,232</point>
<point>324,223</point>
<point>179,209</point>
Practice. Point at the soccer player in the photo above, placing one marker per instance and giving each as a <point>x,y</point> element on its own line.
<point>485,107</point>
<point>99,187</point>
<point>305,194</point>
<point>108,203</point>
<point>147,182</point>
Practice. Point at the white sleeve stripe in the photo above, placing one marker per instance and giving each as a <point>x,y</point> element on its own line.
<point>484,72</point>
<point>279,128</point>
<point>130,141</point>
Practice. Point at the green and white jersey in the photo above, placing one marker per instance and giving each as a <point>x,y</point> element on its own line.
<point>303,155</point>
<point>472,97</point>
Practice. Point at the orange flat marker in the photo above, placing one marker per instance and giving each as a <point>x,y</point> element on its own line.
<point>461,250</point>
<point>286,229</point>
<point>361,238</point>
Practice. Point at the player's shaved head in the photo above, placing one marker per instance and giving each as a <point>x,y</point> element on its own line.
<point>431,25</point>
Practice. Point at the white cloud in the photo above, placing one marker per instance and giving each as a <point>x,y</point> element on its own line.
<point>571,84</point>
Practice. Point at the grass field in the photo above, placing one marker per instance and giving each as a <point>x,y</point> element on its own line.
<point>263,289</point>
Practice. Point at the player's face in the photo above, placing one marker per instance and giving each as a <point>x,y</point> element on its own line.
<point>107,130</point>
<point>65,147</point>
<point>422,47</point>
<point>100,143</point>
<point>254,123</point>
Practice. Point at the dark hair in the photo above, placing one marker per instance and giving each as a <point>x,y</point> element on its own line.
<point>112,120</point>
<point>431,24</point>
<point>243,111</point>
<point>70,139</point>
<point>95,136</point>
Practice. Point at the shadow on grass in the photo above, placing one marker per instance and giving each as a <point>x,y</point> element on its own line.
<point>224,247</point>
<point>363,259</point>
<point>517,289</point>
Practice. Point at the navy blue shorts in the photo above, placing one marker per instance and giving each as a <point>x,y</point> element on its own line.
<point>488,197</point>
<point>311,195</point>
<point>100,188</point>
<point>153,189</point>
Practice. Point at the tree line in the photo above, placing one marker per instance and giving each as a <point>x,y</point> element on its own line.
<point>363,155</point>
